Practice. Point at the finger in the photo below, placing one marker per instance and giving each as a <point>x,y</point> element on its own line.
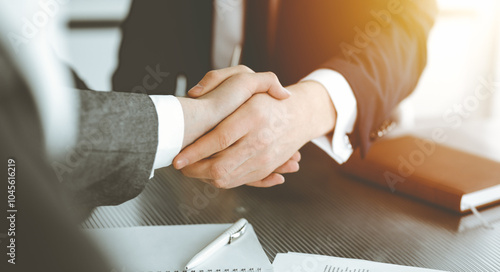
<point>237,90</point>
<point>208,170</point>
<point>222,165</point>
<point>220,138</point>
<point>247,84</point>
<point>226,170</point>
<point>290,166</point>
<point>243,86</point>
<point>269,181</point>
<point>296,157</point>
<point>214,78</point>
<point>263,82</point>
<point>248,171</point>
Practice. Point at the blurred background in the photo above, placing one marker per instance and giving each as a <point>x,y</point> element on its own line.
<point>464,55</point>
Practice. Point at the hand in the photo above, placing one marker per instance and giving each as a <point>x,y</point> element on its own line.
<point>260,136</point>
<point>220,93</point>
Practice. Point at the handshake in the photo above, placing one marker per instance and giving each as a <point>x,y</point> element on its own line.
<point>243,127</point>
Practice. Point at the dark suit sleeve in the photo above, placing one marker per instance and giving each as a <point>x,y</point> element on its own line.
<point>170,36</point>
<point>383,67</point>
<point>114,154</point>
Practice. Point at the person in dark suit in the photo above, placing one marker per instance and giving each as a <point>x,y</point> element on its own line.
<point>347,64</point>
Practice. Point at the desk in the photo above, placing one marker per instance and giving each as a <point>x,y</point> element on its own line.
<point>319,210</point>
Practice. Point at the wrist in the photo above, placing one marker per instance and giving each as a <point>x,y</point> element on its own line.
<point>314,108</point>
<point>195,119</point>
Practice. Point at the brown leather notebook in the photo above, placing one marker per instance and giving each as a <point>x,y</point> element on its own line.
<point>435,173</point>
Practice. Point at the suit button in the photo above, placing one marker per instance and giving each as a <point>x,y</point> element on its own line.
<point>373,135</point>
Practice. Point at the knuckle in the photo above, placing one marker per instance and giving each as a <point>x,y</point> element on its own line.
<point>272,75</point>
<point>212,75</point>
<point>224,140</point>
<point>242,77</point>
<point>218,172</point>
<point>245,69</point>
<point>220,183</point>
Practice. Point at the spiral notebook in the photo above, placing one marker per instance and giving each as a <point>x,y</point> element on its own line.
<point>169,248</point>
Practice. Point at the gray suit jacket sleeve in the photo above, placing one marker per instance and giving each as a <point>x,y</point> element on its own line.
<point>114,154</point>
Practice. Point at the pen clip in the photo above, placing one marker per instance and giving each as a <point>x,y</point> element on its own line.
<point>235,236</point>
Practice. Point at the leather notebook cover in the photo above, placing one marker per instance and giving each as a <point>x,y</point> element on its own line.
<point>435,173</point>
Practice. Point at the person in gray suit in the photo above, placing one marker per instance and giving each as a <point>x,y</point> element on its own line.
<point>68,150</point>
<point>104,146</point>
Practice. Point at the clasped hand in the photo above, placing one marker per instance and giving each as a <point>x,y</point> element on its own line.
<point>256,140</point>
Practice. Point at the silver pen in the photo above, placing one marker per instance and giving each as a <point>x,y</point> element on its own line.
<point>227,237</point>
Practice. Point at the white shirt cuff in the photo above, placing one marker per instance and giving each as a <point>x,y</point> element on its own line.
<point>340,148</point>
<point>170,129</point>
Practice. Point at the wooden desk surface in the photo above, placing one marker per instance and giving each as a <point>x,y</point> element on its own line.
<point>319,210</point>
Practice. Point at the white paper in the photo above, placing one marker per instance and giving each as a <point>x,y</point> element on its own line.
<point>299,262</point>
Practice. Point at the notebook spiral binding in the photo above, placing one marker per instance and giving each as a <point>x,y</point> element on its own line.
<point>330,268</point>
<point>216,270</point>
